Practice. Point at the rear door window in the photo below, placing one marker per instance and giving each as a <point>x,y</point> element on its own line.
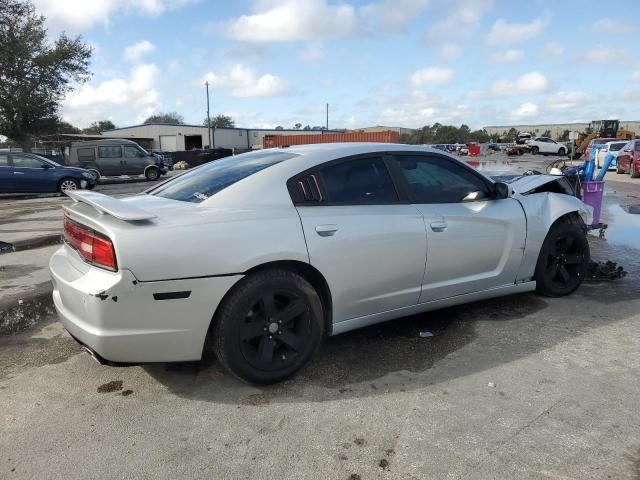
<point>110,152</point>
<point>203,182</point>
<point>359,181</point>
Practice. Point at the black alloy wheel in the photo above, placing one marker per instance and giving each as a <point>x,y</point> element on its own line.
<point>268,326</point>
<point>563,260</point>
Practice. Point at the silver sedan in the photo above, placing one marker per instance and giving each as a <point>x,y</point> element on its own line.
<point>259,256</point>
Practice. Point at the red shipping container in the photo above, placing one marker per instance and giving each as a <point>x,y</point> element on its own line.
<point>277,141</point>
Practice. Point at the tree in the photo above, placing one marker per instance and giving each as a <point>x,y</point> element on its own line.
<point>220,120</point>
<point>546,133</point>
<point>166,117</point>
<point>98,127</point>
<point>297,126</point>
<point>511,135</point>
<point>66,127</point>
<point>279,127</point>
<point>564,136</point>
<point>35,73</point>
<point>307,127</point>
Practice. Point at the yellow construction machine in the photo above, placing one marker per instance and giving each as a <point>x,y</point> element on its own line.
<point>601,129</point>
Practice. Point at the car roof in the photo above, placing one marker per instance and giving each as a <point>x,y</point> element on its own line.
<point>108,141</point>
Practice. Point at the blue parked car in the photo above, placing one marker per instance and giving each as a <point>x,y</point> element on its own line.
<point>29,173</point>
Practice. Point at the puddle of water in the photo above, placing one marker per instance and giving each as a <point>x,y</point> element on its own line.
<point>624,226</point>
<point>497,166</point>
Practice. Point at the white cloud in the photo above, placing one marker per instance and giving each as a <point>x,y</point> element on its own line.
<point>312,53</point>
<point>460,18</point>
<point>553,50</point>
<point>244,82</point>
<point>503,33</point>
<point>563,100</point>
<point>508,56</point>
<point>134,94</point>
<point>392,14</point>
<point>533,82</point>
<point>607,25</point>
<point>635,76</point>
<point>602,54</point>
<point>450,51</point>
<point>79,15</point>
<point>291,20</point>
<point>135,51</point>
<point>524,111</point>
<point>431,76</point>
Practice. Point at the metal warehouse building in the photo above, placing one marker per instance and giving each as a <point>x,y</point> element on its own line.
<point>557,129</point>
<point>169,137</point>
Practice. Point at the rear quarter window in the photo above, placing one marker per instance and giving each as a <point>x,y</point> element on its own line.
<point>86,154</point>
<point>204,182</point>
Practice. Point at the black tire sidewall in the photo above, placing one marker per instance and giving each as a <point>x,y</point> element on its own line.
<point>151,172</point>
<point>228,320</point>
<point>557,231</point>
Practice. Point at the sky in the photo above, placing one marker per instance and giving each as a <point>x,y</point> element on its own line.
<point>404,63</point>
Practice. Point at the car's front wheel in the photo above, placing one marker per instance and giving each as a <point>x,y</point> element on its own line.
<point>152,174</point>
<point>563,260</point>
<point>634,170</point>
<point>68,184</point>
<point>535,150</point>
<point>268,327</point>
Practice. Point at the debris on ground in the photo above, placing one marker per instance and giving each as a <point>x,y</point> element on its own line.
<point>5,247</point>
<point>491,385</point>
<point>181,165</point>
<point>425,334</point>
<point>605,271</point>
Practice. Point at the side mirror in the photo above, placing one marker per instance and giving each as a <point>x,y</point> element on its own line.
<point>501,190</point>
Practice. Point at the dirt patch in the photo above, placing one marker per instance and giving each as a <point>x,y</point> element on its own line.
<point>19,314</point>
<point>126,393</point>
<point>257,399</point>
<point>109,387</point>
<point>384,464</point>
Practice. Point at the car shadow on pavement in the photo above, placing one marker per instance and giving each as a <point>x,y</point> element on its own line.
<point>393,357</point>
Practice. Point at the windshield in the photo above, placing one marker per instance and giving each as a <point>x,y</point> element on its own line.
<point>204,182</point>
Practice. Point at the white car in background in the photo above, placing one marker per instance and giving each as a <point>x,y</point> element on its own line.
<point>547,146</point>
<point>259,256</point>
<point>614,147</point>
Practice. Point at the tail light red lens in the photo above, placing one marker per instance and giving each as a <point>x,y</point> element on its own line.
<point>94,247</point>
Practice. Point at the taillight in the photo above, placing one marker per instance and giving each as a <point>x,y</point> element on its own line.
<point>94,247</point>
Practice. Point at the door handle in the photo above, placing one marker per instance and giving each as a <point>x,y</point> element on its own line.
<point>326,230</point>
<point>439,226</point>
<point>18,173</point>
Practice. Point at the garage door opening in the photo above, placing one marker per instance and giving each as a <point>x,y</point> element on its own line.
<point>192,142</point>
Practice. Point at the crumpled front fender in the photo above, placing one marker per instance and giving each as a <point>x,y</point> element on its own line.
<point>542,210</point>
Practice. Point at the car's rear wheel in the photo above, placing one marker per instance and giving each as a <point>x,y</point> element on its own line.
<point>618,169</point>
<point>634,171</point>
<point>68,184</point>
<point>562,151</point>
<point>535,150</point>
<point>268,327</point>
<point>152,174</point>
<point>563,260</point>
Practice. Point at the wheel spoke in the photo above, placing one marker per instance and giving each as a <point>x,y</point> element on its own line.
<point>291,339</point>
<point>269,304</point>
<point>291,311</point>
<point>553,271</point>
<point>266,350</point>
<point>564,274</point>
<point>573,259</point>
<point>252,330</point>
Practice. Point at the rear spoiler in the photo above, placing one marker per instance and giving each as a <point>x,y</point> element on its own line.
<point>112,206</point>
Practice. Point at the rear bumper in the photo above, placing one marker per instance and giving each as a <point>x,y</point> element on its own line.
<point>122,321</point>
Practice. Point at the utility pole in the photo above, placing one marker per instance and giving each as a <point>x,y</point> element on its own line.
<point>208,117</point>
<point>327,125</point>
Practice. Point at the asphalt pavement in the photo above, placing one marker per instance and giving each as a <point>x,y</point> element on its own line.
<point>516,387</point>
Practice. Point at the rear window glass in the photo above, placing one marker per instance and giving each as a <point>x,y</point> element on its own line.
<point>616,146</point>
<point>87,154</point>
<point>204,182</point>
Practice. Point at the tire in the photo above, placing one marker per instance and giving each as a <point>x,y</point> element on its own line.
<point>633,170</point>
<point>68,184</point>
<point>251,341</point>
<point>152,174</point>
<point>618,169</point>
<point>562,152</point>
<point>97,174</point>
<point>535,150</point>
<point>565,249</point>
